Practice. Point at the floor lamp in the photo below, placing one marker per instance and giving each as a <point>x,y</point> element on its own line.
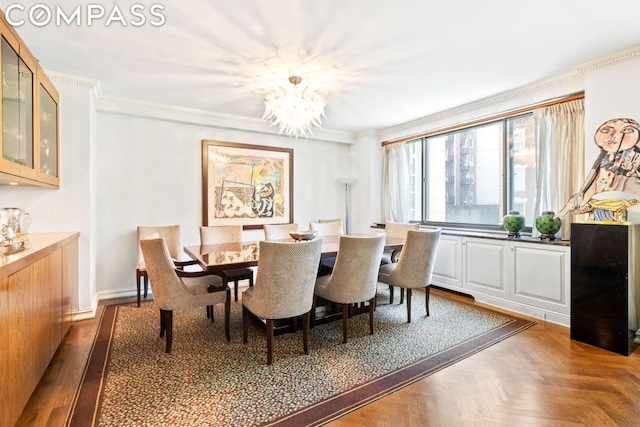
<point>347,183</point>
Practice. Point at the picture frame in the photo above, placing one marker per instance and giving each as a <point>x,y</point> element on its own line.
<point>244,184</point>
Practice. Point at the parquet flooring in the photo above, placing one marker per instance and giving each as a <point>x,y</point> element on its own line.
<point>538,377</point>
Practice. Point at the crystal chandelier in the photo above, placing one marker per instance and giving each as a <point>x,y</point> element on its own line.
<point>293,109</point>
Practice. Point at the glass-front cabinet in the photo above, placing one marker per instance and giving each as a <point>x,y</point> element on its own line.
<point>29,144</point>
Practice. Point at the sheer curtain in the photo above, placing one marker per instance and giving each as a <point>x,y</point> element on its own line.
<point>560,141</point>
<point>395,178</point>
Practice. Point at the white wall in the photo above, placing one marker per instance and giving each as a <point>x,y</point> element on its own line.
<point>71,207</point>
<point>612,91</point>
<point>150,174</point>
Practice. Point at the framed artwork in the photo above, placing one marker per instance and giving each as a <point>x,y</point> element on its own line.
<point>248,185</point>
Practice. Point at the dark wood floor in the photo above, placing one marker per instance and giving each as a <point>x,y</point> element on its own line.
<point>536,378</point>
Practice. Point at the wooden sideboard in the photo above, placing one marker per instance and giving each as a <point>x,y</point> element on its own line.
<point>38,289</point>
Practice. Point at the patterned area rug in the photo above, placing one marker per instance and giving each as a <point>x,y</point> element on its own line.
<point>130,381</point>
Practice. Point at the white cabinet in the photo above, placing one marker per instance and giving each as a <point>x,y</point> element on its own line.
<point>540,276</point>
<point>485,267</point>
<point>527,277</point>
<point>447,270</point>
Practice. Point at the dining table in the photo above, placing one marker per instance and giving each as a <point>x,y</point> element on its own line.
<point>224,256</point>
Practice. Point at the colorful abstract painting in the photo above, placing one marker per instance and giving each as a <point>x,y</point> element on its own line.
<point>246,184</point>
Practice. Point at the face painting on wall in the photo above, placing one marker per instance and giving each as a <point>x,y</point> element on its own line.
<point>615,169</point>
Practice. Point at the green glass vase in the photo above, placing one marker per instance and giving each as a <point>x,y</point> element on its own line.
<point>513,222</point>
<point>547,225</point>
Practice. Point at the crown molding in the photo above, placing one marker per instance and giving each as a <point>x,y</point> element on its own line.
<point>501,98</point>
<point>72,80</point>
<point>613,59</point>
<point>154,111</point>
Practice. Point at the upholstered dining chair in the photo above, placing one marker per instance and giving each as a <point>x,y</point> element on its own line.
<point>399,230</point>
<point>415,265</point>
<point>354,277</point>
<point>283,288</point>
<point>324,227</point>
<point>279,231</point>
<point>171,235</point>
<point>174,289</point>
<point>227,234</point>
<point>327,227</point>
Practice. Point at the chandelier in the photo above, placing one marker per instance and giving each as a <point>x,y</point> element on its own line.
<point>294,110</point>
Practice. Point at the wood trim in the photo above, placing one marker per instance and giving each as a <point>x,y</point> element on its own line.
<point>487,119</point>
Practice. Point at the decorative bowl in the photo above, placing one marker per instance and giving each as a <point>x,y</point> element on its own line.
<point>12,248</point>
<point>301,235</point>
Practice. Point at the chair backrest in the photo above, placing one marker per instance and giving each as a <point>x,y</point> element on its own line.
<point>278,231</point>
<point>399,229</point>
<point>330,228</point>
<point>286,278</point>
<point>168,289</point>
<point>220,234</point>
<point>170,233</point>
<point>355,274</point>
<point>415,266</point>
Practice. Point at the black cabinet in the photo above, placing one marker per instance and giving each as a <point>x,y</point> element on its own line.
<point>604,285</point>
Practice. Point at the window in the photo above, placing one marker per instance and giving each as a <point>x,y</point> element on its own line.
<point>473,176</point>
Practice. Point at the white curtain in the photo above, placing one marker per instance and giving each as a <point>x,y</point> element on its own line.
<point>560,141</point>
<point>395,178</point>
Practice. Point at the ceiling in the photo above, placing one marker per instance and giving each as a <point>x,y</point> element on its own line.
<point>379,63</point>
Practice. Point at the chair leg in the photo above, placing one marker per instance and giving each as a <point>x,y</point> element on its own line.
<point>345,319</point>
<point>401,295</point>
<point>138,277</point>
<point>235,289</point>
<point>269,341</point>
<point>168,323</point>
<point>313,313</point>
<point>227,315</point>
<point>391,294</point>
<point>305,332</point>
<point>427,293</point>
<point>145,278</point>
<point>245,324</point>
<point>162,325</point>
<point>372,306</point>
<point>408,305</point>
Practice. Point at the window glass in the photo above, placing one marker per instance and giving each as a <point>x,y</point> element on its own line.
<point>475,175</point>
<point>464,176</point>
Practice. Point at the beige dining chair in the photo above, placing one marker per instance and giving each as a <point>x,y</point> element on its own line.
<point>398,230</point>
<point>283,288</point>
<point>415,265</point>
<point>279,231</point>
<point>327,227</point>
<point>171,235</point>
<point>174,289</point>
<point>331,227</point>
<point>354,277</point>
<point>227,234</point>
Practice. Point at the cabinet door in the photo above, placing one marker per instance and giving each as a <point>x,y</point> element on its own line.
<point>17,110</point>
<point>47,131</point>
<point>5,354</point>
<point>447,271</point>
<point>540,276</point>
<point>485,267</point>
<point>22,333</point>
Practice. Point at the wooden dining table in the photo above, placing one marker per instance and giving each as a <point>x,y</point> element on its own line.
<point>226,256</point>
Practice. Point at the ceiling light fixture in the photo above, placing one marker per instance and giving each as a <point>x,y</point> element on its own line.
<point>295,110</point>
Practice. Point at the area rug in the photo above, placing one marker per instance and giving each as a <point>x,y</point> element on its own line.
<point>205,381</point>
